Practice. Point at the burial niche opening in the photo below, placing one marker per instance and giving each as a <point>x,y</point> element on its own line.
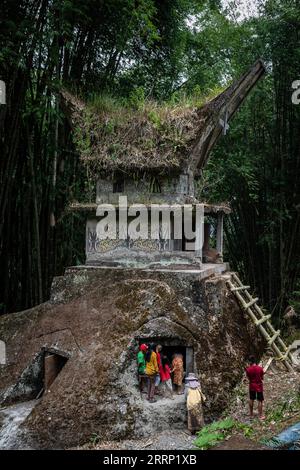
<point>171,347</point>
<point>53,364</point>
<point>37,377</point>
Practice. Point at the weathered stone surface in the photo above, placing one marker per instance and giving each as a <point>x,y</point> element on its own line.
<point>96,318</point>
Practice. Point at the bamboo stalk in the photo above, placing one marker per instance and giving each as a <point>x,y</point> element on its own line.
<point>252,302</point>
<point>235,289</point>
<point>268,364</point>
<point>274,337</point>
<point>262,320</point>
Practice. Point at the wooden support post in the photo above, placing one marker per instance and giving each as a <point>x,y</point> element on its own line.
<point>268,364</point>
<point>200,236</point>
<point>220,233</point>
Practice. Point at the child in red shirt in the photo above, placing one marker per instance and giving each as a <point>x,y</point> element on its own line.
<point>255,376</point>
<point>165,376</point>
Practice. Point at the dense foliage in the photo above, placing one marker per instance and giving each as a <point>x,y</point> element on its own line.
<point>136,50</point>
<point>257,166</point>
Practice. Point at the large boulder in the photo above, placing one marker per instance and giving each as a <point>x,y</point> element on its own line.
<point>95,320</point>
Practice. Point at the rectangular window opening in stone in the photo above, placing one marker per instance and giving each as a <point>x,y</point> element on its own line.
<point>118,185</point>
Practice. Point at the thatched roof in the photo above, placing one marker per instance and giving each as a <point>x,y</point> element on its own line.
<point>156,139</point>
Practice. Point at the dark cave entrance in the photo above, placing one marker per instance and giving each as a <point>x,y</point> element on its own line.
<point>171,346</point>
<point>169,351</point>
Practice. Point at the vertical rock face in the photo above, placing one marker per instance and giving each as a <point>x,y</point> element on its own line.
<point>96,319</point>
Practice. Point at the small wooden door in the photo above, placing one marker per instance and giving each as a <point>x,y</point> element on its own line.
<point>53,363</point>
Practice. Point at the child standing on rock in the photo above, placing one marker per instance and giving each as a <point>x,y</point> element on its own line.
<point>165,376</point>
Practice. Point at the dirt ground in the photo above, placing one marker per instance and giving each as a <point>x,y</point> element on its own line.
<point>239,442</point>
<point>167,440</point>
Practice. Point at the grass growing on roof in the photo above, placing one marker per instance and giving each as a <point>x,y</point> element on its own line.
<point>136,132</point>
<point>107,104</point>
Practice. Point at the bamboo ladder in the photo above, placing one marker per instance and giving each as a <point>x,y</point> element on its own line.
<point>261,321</point>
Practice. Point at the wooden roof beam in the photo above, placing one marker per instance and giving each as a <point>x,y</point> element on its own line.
<point>220,111</point>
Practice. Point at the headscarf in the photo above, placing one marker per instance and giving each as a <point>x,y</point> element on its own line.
<point>192,381</point>
<point>143,347</point>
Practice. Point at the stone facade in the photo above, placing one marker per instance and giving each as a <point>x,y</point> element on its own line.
<point>173,189</point>
<point>165,250</point>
